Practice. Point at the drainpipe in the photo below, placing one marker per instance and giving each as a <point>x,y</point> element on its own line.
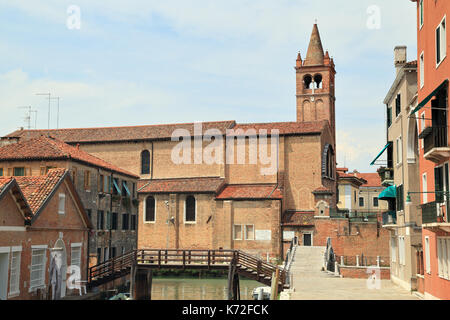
<point>110,216</point>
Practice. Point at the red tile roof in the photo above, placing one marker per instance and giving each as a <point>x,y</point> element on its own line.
<point>251,191</point>
<point>37,189</point>
<point>127,133</point>
<point>163,131</point>
<point>4,182</point>
<point>373,179</point>
<point>285,128</point>
<point>44,148</point>
<point>194,185</point>
<point>298,218</point>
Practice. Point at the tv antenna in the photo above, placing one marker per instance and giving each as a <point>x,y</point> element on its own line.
<point>57,112</point>
<point>28,114</point>
<point>46,94</point>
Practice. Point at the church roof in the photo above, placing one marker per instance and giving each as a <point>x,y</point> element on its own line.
<point>250,191</point>
<point>315,55</point>
<point>119,134</point>
<point>45,148</point>
<point>181,185</point>
<point>285,128</point>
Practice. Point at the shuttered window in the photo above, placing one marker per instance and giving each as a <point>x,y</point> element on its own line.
<point>75,256</point>
<point>37,269</point>
<point>14,276</point>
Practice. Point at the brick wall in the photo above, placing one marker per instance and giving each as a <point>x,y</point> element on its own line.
<point>363,273</point>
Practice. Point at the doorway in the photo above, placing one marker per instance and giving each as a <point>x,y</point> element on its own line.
<point>307,239</point>
<point>4,264</point>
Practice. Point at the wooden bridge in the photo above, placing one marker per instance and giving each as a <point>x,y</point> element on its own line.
<point>236,261</point>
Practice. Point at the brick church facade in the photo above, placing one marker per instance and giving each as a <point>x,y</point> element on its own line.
<point>233,202</point>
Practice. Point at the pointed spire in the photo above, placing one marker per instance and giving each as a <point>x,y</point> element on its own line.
<point>299,60</point>
<point>315,54</point>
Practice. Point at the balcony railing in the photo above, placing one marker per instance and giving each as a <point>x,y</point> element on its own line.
<point>429,212</point>
<point>386,174</point>
<point>354,215</point>
<point>434,137</point>
<point>389,217</point>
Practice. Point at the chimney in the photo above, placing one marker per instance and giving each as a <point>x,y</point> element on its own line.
<point>399,57</point>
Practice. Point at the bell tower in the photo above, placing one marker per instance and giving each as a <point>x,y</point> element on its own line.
<point>315,85</point>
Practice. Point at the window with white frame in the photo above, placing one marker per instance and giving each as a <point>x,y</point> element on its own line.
<point>399,150</point>
<point>75,255</point>
<point>444,257</point>
<point>237,232</point>
<point>421,15</point>
<point>249,232</point>
<point>441,42</point>
<point>393,249</point>
<point>37,269</point>
<point>401,250</point>
<point>14,275</point>
<point>422,69</point>
<point>62,203</point>
<point>427,255</point>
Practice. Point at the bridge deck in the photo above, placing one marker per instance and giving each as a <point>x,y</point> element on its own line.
<point>246,265</point>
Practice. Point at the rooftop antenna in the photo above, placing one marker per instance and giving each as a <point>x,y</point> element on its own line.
<point>57,113</point>
<point>46,94</point>
<point>27,117</point>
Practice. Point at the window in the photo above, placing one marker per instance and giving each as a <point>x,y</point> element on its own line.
<point>107,184</point>
<point>1,172</point>
<point>62,203</point>
<point>145,162</point>
<point>19,171</point>
<point>14,277</point>
<point>125,190</point>
<point>105,254</point>
<point>114,221</point>
<point>375,201</point>
<point>441,42</point>
<point>116,190</point>
<point>37,269</point>
<point>99,255</point>
<point>399,198</point>
<point>328,162</point>
<point>393,249</point>
<point>427,255</point>
<point>399,149</point>
<point>89,213</point>
<point>389,116</point>
<point>101,183</point>
<point>249,232</point>
<point>422,70</point>
<point>150,209</point>
<point>398,104</point>
<point>361,201</point>
<point>237,232</point>
<point>113,252</point>
<point>108,220</point>
<point>354,195</point>
<point>133,222</point>
<point>421,13</point>
<point>100,219</point>
<point>75,255</point>
<point>87,180</point>
<point>424,188</point>
<point>401,250</point>
<point>440,183</point>
<point>125,221</point>
<point>444,257</point>
<point>190,205</point>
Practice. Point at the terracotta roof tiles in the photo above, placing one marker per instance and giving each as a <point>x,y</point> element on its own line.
<point>251,191</point>
<point>298,218</point>
<point>49,148</point>
<point>181,185</point>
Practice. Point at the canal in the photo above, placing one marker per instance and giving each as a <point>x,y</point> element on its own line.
<point>170,288</point>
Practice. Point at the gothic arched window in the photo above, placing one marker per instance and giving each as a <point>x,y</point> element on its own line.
<point>328,162</point>
<point>307,81</point>
<point>145,162</point>
<point>190,214</point>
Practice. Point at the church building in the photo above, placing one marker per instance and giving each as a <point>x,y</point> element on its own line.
<point>228,185</point>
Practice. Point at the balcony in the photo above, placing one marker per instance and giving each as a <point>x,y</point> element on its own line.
<point>433,216</point>
<point>355,216</point>
<point>386,175</point>
<point>435,142</point>
<point>389,218</point>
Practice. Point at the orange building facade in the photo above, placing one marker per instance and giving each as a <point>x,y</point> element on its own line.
<point>434,149</point>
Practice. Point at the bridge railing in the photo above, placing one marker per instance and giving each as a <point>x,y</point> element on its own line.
<point>162,257</point>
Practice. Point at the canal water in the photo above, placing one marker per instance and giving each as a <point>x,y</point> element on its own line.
<point>198,289</point>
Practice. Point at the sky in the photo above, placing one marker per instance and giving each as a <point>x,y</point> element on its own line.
<point>176,61</point>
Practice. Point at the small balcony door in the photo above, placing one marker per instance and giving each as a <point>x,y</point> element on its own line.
<point>307,239</point>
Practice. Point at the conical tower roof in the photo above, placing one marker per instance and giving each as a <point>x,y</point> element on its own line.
<point>315,54</point>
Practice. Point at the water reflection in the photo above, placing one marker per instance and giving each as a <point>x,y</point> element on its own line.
<point>198,289</point>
